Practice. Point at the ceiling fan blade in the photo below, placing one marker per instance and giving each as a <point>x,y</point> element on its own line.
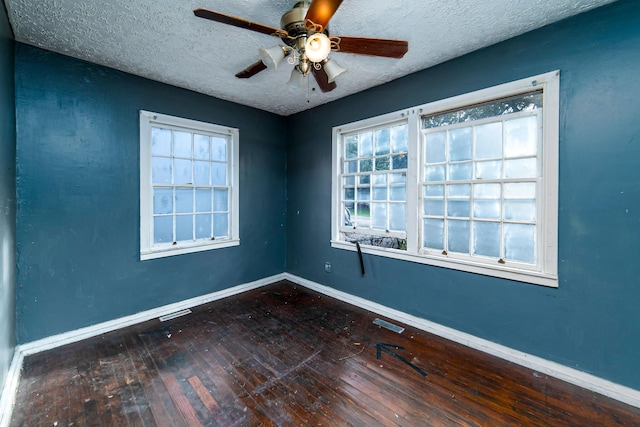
<point>323,80</point>
<point>375,47</point>
<point>320,12</point>
<point>251,70</point>
<point>238,22</point>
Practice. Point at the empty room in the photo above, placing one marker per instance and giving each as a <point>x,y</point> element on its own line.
<point>319,213</point>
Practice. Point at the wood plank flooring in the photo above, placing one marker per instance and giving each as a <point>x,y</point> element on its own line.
<point>285,356</point>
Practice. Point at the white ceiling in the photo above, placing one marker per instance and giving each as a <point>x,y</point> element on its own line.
<point>163,40</point>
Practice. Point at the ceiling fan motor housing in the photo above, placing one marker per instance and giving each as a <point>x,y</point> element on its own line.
<point>293,23</point>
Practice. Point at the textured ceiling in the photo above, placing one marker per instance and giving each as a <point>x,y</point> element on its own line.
<point>163,40</point>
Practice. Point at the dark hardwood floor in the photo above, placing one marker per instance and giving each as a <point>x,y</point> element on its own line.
<point>285,356</point>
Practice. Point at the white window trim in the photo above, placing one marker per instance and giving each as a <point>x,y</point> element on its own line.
<point>548,275</point>
<point>147,251</point>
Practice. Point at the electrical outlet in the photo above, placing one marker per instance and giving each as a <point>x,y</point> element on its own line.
<point>327,267</point>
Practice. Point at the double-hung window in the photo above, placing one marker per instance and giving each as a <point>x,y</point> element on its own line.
<point>188,186</point>
<point>476,189</point>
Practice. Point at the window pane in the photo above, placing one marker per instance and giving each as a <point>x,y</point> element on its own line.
<point>459,190</point>
<point>351,167</point>
<point>162,200</point>
<point>486,239</point>
<point>161,170</point>
<point>220,200</point>
<point>379,216</point>
<point>366,165</point>
<point>396,178</point>
<point>348,213</point>
<point>435,147</point>
<point>203,226</point>
<point>364,179</point>
<point>521,168</point>
<point>201,147</point>
<point>366,145</point>
<point>460,171</point>
<point>520,201</point>
<point>486,203</point>
<point>218,174</point>
<point>520,243</point>
<point>349,193</point>
<point>201,172</point>
<point>458,208</point>
<point>520,210</point>
<point>351,147</point>
<point>184,228</point>
<point>379,193</point>
<point>383,163</point>
<point>182,171</point>
<point>521,137</point>
<point>163,229</point>
<point>382,141</point>
<point>513,104</point>
<point>182,144</point>
<point>434,173</point>
<point>160,142</point>
<point>350,180</point>
<point>399,162</point>
<point>364,193</point>
<point>489,170</point>
<point>184,200</point>
<point>380,179</point>
<point>399,136</point>
<point>397,217</point>
<point>203,200</point>
<point>434,207</point>
<point>220,225</point>
<point>458,236</point>
<point>398,193</point>
<point>218,149</point>
<point>433,234</point>
<point>460,144</point>
<point>434,190</point>
<point>489,141</point>
<point>363,214</point>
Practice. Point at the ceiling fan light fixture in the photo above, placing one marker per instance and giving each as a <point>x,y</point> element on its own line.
<point>297,79</point>
<point>317,47</point>
<point>273,56</point>
<point>333,70</point>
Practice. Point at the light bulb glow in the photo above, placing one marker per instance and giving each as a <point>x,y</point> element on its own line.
<point>317,47</point>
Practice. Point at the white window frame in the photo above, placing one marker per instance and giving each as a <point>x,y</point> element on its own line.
<point>546,271</point>
<point>147,248</point>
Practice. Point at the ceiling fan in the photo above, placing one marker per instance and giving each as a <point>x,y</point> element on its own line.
<point>307,42</point>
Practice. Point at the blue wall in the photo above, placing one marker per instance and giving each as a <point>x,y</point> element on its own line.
<point>7,198</point>
<point>78,191</point>
<point>591,321</point>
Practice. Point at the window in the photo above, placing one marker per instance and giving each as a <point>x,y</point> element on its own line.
<point>188,186</point>
<point>374,176</point>
<point>476,189</point>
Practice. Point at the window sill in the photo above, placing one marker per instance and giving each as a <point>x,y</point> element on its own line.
<point>180,250</point>
<point>535,278</point>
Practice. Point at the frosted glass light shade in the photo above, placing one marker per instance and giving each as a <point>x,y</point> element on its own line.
<point>272,57</point>
<point>317,47</point>
<point>297,79</point>
<point>333,69</point>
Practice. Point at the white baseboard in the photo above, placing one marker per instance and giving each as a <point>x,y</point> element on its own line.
<point>10,389</point>
<point>565,373</point>
<point>574,376</point>
<point>11,385</point>
<point>122,322</point>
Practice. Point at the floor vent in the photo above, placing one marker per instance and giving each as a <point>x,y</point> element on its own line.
<point>174,315</point>
<point>389,326</point>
